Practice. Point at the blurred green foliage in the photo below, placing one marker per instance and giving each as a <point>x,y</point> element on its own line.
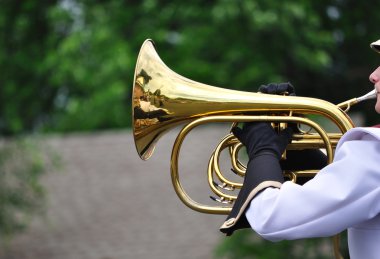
<point>22,163</point>
<point>68,65</point>
<point>247,244</point>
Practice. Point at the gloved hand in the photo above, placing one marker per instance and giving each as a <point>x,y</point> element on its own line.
<point>278,88</point>
<point>260,137</point>
<point>264,147</point>
<point>296,159</point>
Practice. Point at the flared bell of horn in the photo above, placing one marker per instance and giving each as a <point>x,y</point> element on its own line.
<point>163,99</point>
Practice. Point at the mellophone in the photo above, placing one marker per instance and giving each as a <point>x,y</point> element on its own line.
<point>163,99</point>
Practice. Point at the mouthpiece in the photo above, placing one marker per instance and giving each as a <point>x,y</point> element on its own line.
<point>347,104</point>
<point>370,95</point>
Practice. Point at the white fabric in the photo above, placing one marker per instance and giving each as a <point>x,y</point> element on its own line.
<point>343,195</point>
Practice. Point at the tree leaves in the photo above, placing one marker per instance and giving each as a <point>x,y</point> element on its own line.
<point>68,60</point>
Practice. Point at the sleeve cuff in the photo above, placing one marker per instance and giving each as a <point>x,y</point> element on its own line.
<point>263,171</point>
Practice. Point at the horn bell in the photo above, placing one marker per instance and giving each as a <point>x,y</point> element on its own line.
<point>163,99</point>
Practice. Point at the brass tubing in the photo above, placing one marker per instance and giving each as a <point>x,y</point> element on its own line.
<point>211,183</point>
<point>187,128</point>
<point>236,164</point>
<point>216,156</point>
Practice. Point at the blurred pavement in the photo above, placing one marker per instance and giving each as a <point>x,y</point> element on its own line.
<point>106,203</point>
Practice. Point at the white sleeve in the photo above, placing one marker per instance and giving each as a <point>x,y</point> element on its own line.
<point>342,195</point>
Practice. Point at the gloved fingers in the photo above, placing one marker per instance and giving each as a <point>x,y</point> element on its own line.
<point>257,129</point>
<point>278,88</point>
<point>306,159</point>
<point>286,87</point>
<point>249,130</point>
<point>268,89</point>
<point>286,135</point>
<point>238,132</point>
<point>294,127</point>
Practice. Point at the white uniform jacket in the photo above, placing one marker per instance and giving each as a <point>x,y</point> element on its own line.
<point>343,195</point>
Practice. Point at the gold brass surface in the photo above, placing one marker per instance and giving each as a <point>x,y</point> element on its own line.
<point>163,99</point>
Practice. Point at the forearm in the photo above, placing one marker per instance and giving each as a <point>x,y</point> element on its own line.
<point>282,215</point>
<point>263,171</point>
<point>337,198</point>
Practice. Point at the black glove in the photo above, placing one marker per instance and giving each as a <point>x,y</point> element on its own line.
<point>306,159</point>
<point>264,147</point>
<point>278,88</point>
<point>260,137</point>
<point>296,159</point>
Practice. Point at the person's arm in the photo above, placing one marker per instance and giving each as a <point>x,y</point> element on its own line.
<point>264,147</point>
<point>342,195</point>
<point>306,159</point>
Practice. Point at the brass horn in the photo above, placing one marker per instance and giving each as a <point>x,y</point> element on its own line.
<point>163,99</point>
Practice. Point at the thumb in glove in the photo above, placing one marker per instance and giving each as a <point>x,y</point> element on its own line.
<point>278,88</point>
<point>259,137</point>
